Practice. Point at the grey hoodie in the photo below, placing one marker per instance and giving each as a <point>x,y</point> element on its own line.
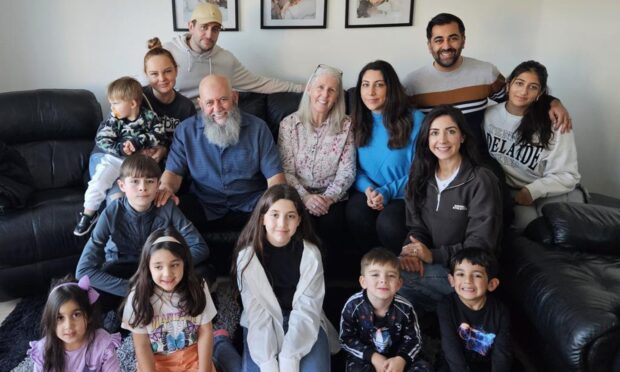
<point>194,66</point>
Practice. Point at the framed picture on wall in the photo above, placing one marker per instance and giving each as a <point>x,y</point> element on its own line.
<point>378,13</point>
<point>293,13</point>
<point>182,11</point>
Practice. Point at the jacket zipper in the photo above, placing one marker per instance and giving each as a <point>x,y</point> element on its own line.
<point>448,188</point>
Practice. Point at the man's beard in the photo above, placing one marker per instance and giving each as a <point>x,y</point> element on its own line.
<point>451,62</point>
<point>223,135</point>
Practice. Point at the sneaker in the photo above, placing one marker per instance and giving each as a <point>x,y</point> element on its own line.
<point>86,224</point>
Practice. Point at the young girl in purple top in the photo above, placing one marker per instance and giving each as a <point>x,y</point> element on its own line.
<point>72,341</point>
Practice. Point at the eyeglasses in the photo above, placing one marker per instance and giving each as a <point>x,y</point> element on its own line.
<point>327,67</point>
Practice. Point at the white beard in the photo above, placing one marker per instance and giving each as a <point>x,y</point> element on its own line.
<point>223,135</point>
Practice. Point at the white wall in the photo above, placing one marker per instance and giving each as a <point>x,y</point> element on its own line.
<point>86,44</point>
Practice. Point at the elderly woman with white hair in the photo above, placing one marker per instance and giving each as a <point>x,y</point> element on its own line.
<point>318,153</point>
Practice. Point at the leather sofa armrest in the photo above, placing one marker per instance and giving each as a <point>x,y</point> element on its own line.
<point>539,231</point>
<point>575,226</point>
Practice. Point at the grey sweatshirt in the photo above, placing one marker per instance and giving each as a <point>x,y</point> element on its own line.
<point>194,66</point>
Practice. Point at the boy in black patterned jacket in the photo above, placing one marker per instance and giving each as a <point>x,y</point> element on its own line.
<point>378,328</point>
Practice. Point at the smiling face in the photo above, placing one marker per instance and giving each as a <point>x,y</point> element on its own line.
<point>203,36</point>
<point>166,269</point>
<point>71,325</point>
<point>445,45</point>
<point>216,99</point>
<point>373,90</point>
<point>323,94</point>
<point>281,221</point>
<point>471,283</point>
<point>445,138</point>
<point>381,282</point>
<point>140,191</point>
<point>162,73</point>
<point>522,91</point>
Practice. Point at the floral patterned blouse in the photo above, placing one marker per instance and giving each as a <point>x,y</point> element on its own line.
<point>315,161</point>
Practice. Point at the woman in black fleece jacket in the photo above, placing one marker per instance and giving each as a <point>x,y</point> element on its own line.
<point>452,203</point>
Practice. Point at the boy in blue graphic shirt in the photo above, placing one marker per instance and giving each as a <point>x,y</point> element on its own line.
<point>475,327</point>
<point>378,328</point>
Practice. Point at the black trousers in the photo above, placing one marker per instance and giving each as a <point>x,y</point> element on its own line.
<point>371,228</point>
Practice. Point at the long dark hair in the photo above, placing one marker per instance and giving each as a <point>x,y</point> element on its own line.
<point>536,124</point>
<point>425,162</point>
<point>254,234</point>
<point>54,349</point>
<point>192,299</point>
<point>397,116</point>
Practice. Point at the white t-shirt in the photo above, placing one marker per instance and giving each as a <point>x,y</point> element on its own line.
<point>170,330</point>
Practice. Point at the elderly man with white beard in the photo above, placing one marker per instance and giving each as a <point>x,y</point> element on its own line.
<point>227,153</point>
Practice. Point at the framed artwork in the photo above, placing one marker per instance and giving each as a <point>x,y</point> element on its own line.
<point>378,13</point>
<point>182,11</point>
<point>293,13</point>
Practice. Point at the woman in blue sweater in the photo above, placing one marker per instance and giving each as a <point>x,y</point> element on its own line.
<point>385,128</point>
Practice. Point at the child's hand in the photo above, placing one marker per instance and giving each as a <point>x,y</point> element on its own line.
<point>128,148</point>
<point>378,361</point>
<point>395,364</point>
<point>158,153</point>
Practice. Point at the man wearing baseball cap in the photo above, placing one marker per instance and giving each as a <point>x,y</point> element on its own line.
<point>198,55</point>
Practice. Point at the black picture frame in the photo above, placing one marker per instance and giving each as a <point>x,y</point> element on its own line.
<point>182,11</point>
<point>305,16</point>
<point>390,13</point>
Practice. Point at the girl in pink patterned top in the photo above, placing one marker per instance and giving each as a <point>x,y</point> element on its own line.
<point>318,153</point>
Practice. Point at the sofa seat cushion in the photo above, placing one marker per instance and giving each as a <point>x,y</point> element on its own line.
<point>573,299</point>
<point>55,196</point>
<point>43,230</point>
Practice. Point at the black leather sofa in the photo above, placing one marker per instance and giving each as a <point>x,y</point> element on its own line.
<point>53,131</point>
<point>563,276</point>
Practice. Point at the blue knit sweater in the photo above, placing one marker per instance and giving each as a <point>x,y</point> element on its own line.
<point>386,170</point>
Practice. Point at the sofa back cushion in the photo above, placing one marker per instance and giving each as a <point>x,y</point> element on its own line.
<point>54,130</point>
<point>575,226</point>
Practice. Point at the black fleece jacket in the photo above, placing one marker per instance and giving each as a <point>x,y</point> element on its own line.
<point>468,213</point>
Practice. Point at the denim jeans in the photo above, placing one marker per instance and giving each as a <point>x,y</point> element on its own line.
<point>225,356</point>
<point>318,359</point>
<point>424,292</point>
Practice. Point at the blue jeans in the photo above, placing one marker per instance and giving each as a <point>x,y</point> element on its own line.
<point>225,356</point>
<point>424,292</point>
<point>318,359</point>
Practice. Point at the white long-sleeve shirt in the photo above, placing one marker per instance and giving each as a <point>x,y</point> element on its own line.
<point>270,348</point>
<point>544,172</point>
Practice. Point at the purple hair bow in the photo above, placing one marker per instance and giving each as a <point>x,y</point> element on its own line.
<point>84,284</point>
